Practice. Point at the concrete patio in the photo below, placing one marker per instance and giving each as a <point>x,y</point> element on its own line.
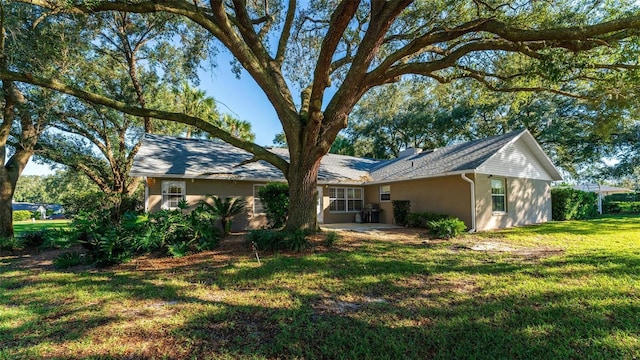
<point>358,227</point>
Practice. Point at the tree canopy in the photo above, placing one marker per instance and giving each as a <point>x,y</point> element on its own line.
<point>333,52</point>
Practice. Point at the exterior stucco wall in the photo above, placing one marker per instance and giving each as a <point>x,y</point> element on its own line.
<point>197,190</point>
<point>446,195</point>
<point>331,217</point>
<point>528,202</point>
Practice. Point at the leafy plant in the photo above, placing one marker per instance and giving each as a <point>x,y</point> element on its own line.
<point>68,259</point>
<point>275,198</point>
<point>331,238</point>
<point>446,228</point>
<point>21,215</point>
<point>620,207</point>
<point>32,239</point>
<point>168,232</point>
<point>569,204</point>
<point>272,240</point>
<point>9,243</point>
<point>225,209</point>
<point>421,219</point>
<point>401,210</point>
<point>296,241</point>
<point>266,239</point>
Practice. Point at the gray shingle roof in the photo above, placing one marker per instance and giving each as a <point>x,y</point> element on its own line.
<point>166,156</point>
<point>451,159</point>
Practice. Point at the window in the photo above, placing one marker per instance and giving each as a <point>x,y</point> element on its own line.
<point>258,207</point>
<point>498,195</point>
<point>172,193</point>
<point>345,199</point>
<point>385,193</point>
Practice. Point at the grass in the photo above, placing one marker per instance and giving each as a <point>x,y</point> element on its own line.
<point>20,227</point>
<point>557,291</point>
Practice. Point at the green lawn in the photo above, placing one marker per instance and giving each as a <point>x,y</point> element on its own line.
<point>20,227</point>
<point>566,290</point>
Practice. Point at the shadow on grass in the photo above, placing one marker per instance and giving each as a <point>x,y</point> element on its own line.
<point>603,225</point>
<point>376,307</point>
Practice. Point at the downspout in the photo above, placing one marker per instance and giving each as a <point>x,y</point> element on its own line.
<point>146,195</point>
<point>472,186</point>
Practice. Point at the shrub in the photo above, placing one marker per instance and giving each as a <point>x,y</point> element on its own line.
<point>401,211</point>
<point>68,259</point>
<point>58,238</point>
<point>331,238</point>
<point>225,210</point>
<point>618,207</point>
<point>169,232</point>
<point>270,240</point>
<point>9,243</point>
<point>626,197</point>
<point>421,220</point>
<point>32,239</point>
<point>296,241</point>
<point>275,199</point>
<point>21,215</point>
<point>446,228</point>
<point>569,204</point>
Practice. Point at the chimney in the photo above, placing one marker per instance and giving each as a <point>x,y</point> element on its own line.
<point>409,152</point>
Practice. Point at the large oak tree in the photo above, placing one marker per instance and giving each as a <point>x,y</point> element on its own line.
<point>333,52</point>
<point>27,110</point>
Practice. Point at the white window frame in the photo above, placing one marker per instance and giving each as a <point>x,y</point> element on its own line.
<point>385,193</point>
<point>257,200</point>
<point>167,195</point>
<point>494,196</point>
<point>349,201</point>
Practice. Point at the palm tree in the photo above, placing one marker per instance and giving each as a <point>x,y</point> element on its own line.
<point>226,209</point>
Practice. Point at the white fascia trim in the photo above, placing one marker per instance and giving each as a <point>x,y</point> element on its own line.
<point>207,177</point>
<point>390,181</point>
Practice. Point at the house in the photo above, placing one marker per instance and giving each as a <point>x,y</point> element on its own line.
<point>602,191</point>
<point>498,182</point>
<point>42,209</point>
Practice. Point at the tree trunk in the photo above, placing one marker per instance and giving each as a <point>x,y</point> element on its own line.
<point>303,194</point>
<point>7,188</point>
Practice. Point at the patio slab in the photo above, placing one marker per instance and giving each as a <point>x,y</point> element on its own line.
<point>358,227</point>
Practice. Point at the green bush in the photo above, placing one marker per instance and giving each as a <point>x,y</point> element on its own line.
<point>275,199</point>
<point>68,259</point>
<point>421,220</point>
<point>296,241</point>
<point>56,238</point>
<point>619,207</point>
<point>168,232</point>
<point>570,204</point>
<point>33,239</point>
<point>266,240</point>
<point>331,238</point>
<point>9,243</point>
<point>21,215</point>
<point>401,210</point>
<point>271,240</point>
<point>225,210</point>
<point>446,228</point>
<point>626,197</point>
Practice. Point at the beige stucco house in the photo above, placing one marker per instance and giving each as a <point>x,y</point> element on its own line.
<point>498,182</point>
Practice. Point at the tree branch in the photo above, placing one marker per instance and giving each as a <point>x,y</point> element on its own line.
<point>272,158</point>
<point>286,33</point>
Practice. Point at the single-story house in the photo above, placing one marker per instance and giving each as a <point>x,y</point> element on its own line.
<point>497,182</point>
<point>601,190</point>
<point>41,208</point>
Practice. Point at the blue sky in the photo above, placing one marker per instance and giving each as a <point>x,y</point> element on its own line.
<point>241,98</point>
